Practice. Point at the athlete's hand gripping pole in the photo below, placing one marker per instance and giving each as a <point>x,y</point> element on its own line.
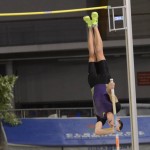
<point>115,115</point>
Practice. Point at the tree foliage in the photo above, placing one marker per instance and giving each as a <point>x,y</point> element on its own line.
<point>6,96</point>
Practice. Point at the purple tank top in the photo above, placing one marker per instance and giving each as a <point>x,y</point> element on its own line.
<point>101,100</point>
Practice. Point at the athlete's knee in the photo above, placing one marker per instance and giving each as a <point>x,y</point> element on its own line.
<point>98,50</point>
<point>92,58</point>
<point>99,54</point>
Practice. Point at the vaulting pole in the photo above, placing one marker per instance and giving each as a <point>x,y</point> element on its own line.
<point>115,116</point>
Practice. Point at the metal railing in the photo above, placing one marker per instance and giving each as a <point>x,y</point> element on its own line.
<point>72,112</point>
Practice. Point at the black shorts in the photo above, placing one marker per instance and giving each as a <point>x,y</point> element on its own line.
<point>98,73</point>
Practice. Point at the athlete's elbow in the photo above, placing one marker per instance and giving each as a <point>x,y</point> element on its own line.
<point>98,132</point>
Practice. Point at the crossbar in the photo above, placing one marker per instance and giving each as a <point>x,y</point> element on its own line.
<point>51,12</point>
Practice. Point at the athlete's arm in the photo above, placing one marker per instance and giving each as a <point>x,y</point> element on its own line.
<point>100,131</point>
<point>110,86</point>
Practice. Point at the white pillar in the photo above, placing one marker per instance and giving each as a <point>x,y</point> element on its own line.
<point>131,76</point>
<point>9,68</point>
<point>9,71</point>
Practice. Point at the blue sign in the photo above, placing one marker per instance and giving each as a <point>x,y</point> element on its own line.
<point>71,132</point>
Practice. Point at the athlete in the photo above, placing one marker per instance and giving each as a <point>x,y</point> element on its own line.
<point>99,80</point>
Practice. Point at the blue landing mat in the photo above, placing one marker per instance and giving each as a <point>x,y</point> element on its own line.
<point>71,132</point>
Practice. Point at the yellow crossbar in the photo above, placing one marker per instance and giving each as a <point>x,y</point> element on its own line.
<point>51,12</point>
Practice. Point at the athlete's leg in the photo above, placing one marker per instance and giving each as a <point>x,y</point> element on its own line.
<point>92,74</point>
<point>101,64</point>
<point>98,45</point>
<point>92,57</point>
<point>97,38</point>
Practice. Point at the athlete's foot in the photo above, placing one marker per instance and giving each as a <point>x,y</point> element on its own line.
<point>88,21</point>
<point>94,17</point>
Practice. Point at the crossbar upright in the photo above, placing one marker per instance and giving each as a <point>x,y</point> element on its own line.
<point>127,26</point>
<point>115,19</point>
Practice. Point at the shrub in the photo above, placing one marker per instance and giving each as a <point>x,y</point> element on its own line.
<point>6,96</point>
